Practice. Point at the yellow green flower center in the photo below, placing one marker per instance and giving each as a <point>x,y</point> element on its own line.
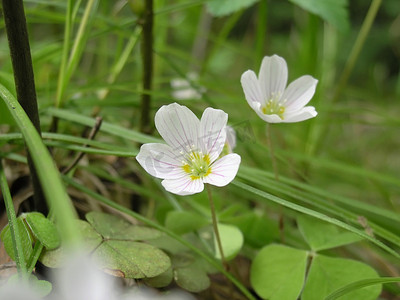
<point>197,165</point>
<point>274,106</point>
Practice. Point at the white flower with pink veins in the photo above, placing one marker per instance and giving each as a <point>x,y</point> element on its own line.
<point>191,156</point>
<point>268,96</point>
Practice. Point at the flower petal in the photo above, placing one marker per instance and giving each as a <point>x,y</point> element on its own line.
<point>160,161</point>
<point>299,92</point>
<point>223,170</point>
<point>251,88</point>
<point>178,126</point>
<point>183,186</point>
<point>304,113</point>
<point>213,132</point>
<point>273,75</point>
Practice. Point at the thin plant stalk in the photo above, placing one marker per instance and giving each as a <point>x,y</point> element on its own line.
<point>215,227</point>
<point>13,225</point>
<point>18,41</point>
<point>147,65</point>
<point>271,152</point>
<point>358,45</point>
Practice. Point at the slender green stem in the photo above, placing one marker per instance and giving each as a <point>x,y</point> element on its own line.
<point>12,222</point>
<point>37,250</point>
<point>17,34</point>
<point>147,65</point>
<point>271,151</point>
<point>64,58</point>
<point>261,29</point>
<point>215,226</point>
<point>358,45</point>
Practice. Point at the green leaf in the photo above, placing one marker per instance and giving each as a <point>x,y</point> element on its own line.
<point>184,221</point>
<point>278,272</point>
<point>41,287</point>
<point>162,280</point>
<point>321,235</point>
<point>334,12</point>
<point>43,229</point>
<point>132,259</point>
<point>56,258</point>
<point>113,227</point>
<point>192,278</point>
<point>25,236</point>
<point>231,240</point>
<point>258,231</point>
<point>328,274</point>
<point>219,8</point>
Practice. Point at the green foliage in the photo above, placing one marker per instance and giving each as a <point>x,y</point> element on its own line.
<point>338,177</point>
<point>115,242</point>
<point>25,238</point>
<point>183,222</point>
<point>43,230</point>
<point>33,227</point>
<point>327,274</point>
<point>332,11</point>
<point>231,240</point>
<point>278,272</point>
<point>320,235</point>
<point>221,8</point>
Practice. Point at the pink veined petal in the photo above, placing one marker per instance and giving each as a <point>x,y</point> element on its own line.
<point>299,92</point>
<point>302,114</point>
<point>160,161</point>
<point>273,75</point>
<point>251,88</point>
<point>213,132</point>
<point>178,126</point>
<point>223,170</point>
<point>183,186</point>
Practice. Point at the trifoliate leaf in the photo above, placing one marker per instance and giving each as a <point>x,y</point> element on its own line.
<point>322,235</point>
<point>278,272</point>
<point>328,274</point>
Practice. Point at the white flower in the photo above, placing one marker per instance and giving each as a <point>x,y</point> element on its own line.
<point>191,156</point>
<point>268,97</point>
<point>182,88</point>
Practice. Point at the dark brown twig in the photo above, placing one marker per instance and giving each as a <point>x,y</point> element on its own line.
<point>80,155</point>
<point>17,34</point>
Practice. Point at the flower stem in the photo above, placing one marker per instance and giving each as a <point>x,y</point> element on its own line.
<point>215,226</point>
<point>14,229</point>
<point>276,172</point>
<point>271,152</point>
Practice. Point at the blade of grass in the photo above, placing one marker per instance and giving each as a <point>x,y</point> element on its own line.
<point>360,284</point>
<point>53,188</point>
<point>315,214</point>
<point>12,223</point>
<point>105,127</point>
